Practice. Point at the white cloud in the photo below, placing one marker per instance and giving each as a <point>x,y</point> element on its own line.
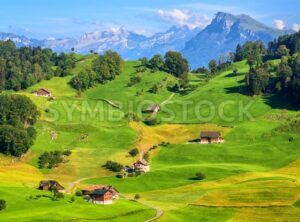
<point>178,16</point>
<point>184,17</point>
<point>296,27</point>
<point>208,7</point>
<point>279,24</point>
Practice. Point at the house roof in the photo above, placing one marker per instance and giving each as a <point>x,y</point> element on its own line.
<point>50,183</point>
<point>44,90</point>
<point>141,162</point>
<point>94,187</point>
<point>210,134</point>
<point>100,187</point>
<point>153,107</point>
<point>101,191</point>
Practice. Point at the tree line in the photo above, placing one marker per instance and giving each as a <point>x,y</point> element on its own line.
<point>17,116</point>
<point>264,76</point>
<point>109,65</point>
<point>23,67</point>
<point>104,68</point>
<point>173,63</point>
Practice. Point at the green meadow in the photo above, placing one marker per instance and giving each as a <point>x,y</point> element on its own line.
<point>253,176</point>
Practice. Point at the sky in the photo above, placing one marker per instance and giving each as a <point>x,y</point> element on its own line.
<point>72,18</point>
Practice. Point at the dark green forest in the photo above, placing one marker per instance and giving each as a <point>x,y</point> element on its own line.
<point>17,116</point>
<point>104,68</point>
<point>23,67</point>
<point>265,77</point>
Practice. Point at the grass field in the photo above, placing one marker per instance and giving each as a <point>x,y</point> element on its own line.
<point>253,176</point>
<point>24,204</point>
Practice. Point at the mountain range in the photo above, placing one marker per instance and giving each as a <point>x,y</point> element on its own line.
<point>198,46</point>
<point>223,35</point>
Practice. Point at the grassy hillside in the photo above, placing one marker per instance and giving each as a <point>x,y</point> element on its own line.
<point>253,176</point>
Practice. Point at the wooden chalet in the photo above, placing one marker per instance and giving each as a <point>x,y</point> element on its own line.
<point>42,92</point>
<point>208,137</point>
<point>50,185</point>
<point>90,189</point>
<point>101,196</point>
<point>141,166</point>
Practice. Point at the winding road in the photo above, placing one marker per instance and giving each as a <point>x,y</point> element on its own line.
<point>159,212</point>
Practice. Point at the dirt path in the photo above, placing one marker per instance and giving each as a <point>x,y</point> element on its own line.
<point>111,103</point>
<point>159,212</point>
<point>75,183</point>
<point>168,99</point>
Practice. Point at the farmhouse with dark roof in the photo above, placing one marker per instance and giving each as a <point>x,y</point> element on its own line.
<point>42,92</point>
<point>208,137</point>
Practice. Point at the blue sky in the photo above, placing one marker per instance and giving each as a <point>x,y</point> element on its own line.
<point>72,18</point>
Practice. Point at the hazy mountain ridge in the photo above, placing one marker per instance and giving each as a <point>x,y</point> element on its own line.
<point>20,40</point>
<point>129,44</point>
<point>199,46</point>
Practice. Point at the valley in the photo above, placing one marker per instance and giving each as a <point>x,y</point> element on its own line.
<point>253,174</point>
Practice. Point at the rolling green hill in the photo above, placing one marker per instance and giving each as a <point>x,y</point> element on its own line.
<point>252,175</point>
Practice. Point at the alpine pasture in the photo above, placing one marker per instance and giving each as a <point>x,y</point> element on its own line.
<point>249,177</point>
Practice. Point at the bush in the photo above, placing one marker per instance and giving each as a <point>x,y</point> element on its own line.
<point>113,166</point>
<point>78,193</point>
<point>155,89</point>
<point>72,199</point>
<point>67,153</point>
<point>2,204</point>
<point>200,176</point>
<point>134,80</point>
<point>146,156</point>
<point>58,195</point>
<point>175,88</point>
<point>134,152</point>
<point>120,176</point>
<point>164,144</point>
<point>137,196</point>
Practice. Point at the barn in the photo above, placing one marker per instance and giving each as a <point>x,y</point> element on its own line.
<point>141,166</point>
<point>209,137</point>
<point>50,185</point>
<point>42,92</point>
<point>153,109</point>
